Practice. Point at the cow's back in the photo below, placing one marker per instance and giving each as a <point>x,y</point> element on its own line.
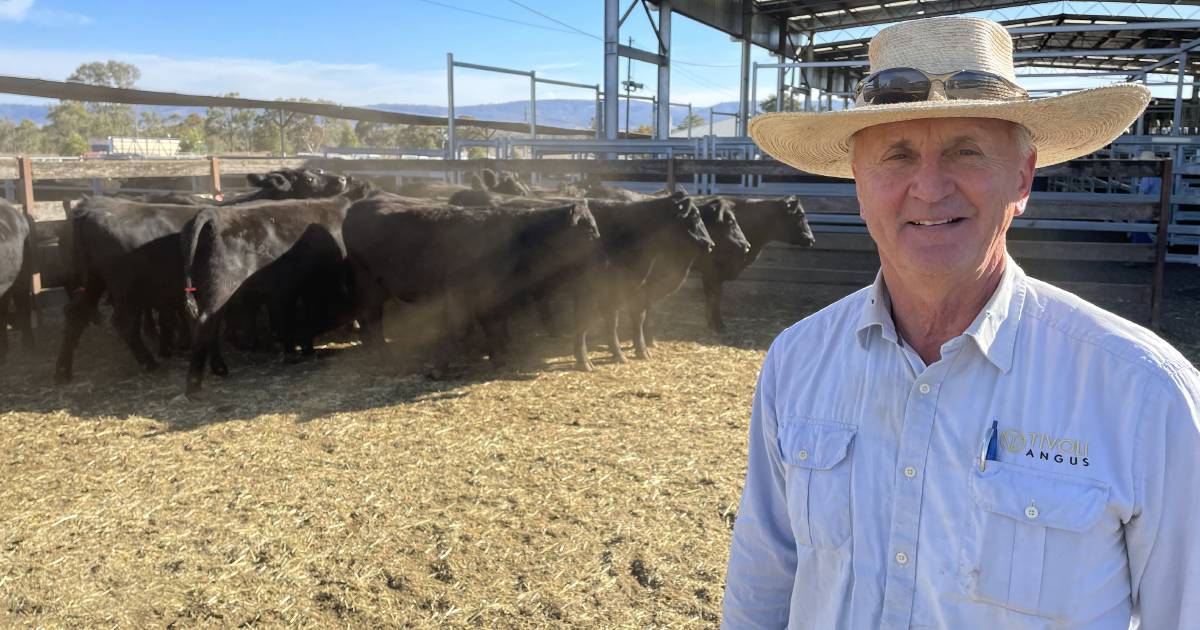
<point>14,231</point>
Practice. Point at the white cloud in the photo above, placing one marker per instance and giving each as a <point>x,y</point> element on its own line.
<point>54,17</point>
<point>15,10</point>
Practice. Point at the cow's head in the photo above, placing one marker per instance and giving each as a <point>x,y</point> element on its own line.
<point>795,223</point>
<point>275,181</point>
<point>723,227</point>
<point>689,223</point>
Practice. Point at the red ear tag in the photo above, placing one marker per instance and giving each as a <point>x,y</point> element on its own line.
<point>189,289</point>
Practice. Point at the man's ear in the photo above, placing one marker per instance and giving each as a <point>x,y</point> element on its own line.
<point>1025,181</point>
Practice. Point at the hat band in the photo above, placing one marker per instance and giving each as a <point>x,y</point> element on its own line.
<point>910,85</point>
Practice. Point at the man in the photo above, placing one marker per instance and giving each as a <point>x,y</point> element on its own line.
<point>959,445</point>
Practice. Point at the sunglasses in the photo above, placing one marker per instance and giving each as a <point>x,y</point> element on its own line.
<point>910,85</point>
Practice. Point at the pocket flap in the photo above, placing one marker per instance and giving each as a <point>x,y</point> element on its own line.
<point>1037,498</point>
<point>815,445</point>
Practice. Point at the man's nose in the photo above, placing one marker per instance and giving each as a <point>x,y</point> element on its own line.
<point>931,183</point>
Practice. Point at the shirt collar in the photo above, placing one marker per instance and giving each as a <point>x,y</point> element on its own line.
<point>994,329</point>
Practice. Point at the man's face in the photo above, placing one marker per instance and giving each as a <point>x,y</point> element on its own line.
<point>938,194</point>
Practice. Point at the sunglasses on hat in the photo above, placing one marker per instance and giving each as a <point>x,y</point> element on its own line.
<point>910,85</point>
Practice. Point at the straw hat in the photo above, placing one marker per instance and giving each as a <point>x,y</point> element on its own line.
<point>1063,127</point>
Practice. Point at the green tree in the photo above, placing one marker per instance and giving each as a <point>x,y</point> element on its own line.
<point>113,119</point>
<point>229,129</point>
<point>692,120</point>
<point>643,129</point>
<point>790,104</point>
<point>28,139</point>
<point>71,124</point>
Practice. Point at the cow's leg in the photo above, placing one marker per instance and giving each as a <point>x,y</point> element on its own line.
<point>166,326</point>
<point>128,322</point>
<point>206,348</point>
<point>639,335</point>
<point>3,327</point>
<point>22,313</point>
<point>78,314</point>
<point>585,306</point>
<point>648,329</point>
<point>712,303</point>
<point>546,314</point>
<point>147,323</point>
<point>611,321</point>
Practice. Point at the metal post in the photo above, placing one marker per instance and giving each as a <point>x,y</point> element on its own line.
<point>598,120</point>
<point>779,86</point>
<point>753,89</point>
<point>744,92</point>
<point>806,74</point>
<point>282,150</point>
<point>655,104</point>
<point>612,26</point>
<point>1176,123</point>
<point>689,122</point>
<point>664,70</point>
<point>532,105</point>
<point>450,151</point>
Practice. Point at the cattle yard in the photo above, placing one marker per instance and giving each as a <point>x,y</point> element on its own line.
<point>343,490</point>
<point>346,491</point>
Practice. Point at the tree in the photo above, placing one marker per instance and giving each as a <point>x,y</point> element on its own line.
<point>229,129</point>
<point>113,119</point>
<point>692,120</point>
<point>71,124</point>
<point>790,104</point>
<point>643,129</point>
<point>28,139</point>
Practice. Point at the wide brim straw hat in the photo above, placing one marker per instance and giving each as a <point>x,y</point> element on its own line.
<point>1062,127</point>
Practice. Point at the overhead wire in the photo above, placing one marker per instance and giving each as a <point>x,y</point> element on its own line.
<point>496,17</point>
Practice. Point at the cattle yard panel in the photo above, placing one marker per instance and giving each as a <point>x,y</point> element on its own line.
<point>833,210</point>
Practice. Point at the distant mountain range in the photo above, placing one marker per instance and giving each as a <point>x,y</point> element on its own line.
<point>575,113</point>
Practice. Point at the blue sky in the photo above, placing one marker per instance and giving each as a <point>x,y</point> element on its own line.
<point>359,53</point>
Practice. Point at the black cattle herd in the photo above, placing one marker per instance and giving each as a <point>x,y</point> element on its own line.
<point>322,252</point>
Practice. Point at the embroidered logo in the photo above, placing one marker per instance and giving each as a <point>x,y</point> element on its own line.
<point>1043,446</point>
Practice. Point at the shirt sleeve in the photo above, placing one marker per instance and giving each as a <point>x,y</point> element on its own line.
<point>1163,536</point>
<point>762,558</point>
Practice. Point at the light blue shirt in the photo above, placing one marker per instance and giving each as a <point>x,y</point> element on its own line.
<point>865,505</point>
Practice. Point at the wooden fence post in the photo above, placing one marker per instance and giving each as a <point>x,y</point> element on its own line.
<point>214,173</point>
<point>25,175</point>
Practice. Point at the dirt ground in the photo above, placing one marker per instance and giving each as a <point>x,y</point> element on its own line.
<point>336,493</point>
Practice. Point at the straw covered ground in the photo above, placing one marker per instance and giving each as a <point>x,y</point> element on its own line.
<point>338,494</point>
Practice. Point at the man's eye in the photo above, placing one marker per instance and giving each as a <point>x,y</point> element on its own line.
<point>896,156</point>
<point>969,152</point>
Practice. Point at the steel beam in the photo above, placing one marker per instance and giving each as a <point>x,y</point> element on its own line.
<point>640,55</point>
<point>664,69</point>
<point>611,67</point>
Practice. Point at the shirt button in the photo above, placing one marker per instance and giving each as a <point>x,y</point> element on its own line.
<point>803,454</point>
<point>910,472</point>
<point>1031,512</point>
<point>924,388</point>
<point>901,558</point>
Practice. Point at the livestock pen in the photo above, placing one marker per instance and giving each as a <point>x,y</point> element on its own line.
<point>339,492</point>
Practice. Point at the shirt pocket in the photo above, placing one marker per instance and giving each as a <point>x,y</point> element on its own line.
<point>1031,523</point>
<point>817,460</point>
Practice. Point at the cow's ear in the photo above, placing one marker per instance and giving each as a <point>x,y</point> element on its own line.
<point>279,182</point>
<point>256,179</point>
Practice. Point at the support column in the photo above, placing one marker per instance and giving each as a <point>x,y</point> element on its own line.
<point>612,26</point>
<point>450,149</point>
<point>744,92</point>
<point>664,70</point>
<point>779,85</point>
<point>1176,121</point>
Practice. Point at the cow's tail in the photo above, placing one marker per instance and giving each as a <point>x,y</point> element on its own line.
<point>199,239</point>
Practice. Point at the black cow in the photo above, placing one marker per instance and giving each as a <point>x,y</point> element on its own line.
<point>292,183</point>
<point>482,263</point>
<point>762,221</point>
<point>131,250</point>
<point>649,246</point>
<point>16,267</point>
<point>656,233</point>
<point>281,253</point>
<point>730,248</point>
